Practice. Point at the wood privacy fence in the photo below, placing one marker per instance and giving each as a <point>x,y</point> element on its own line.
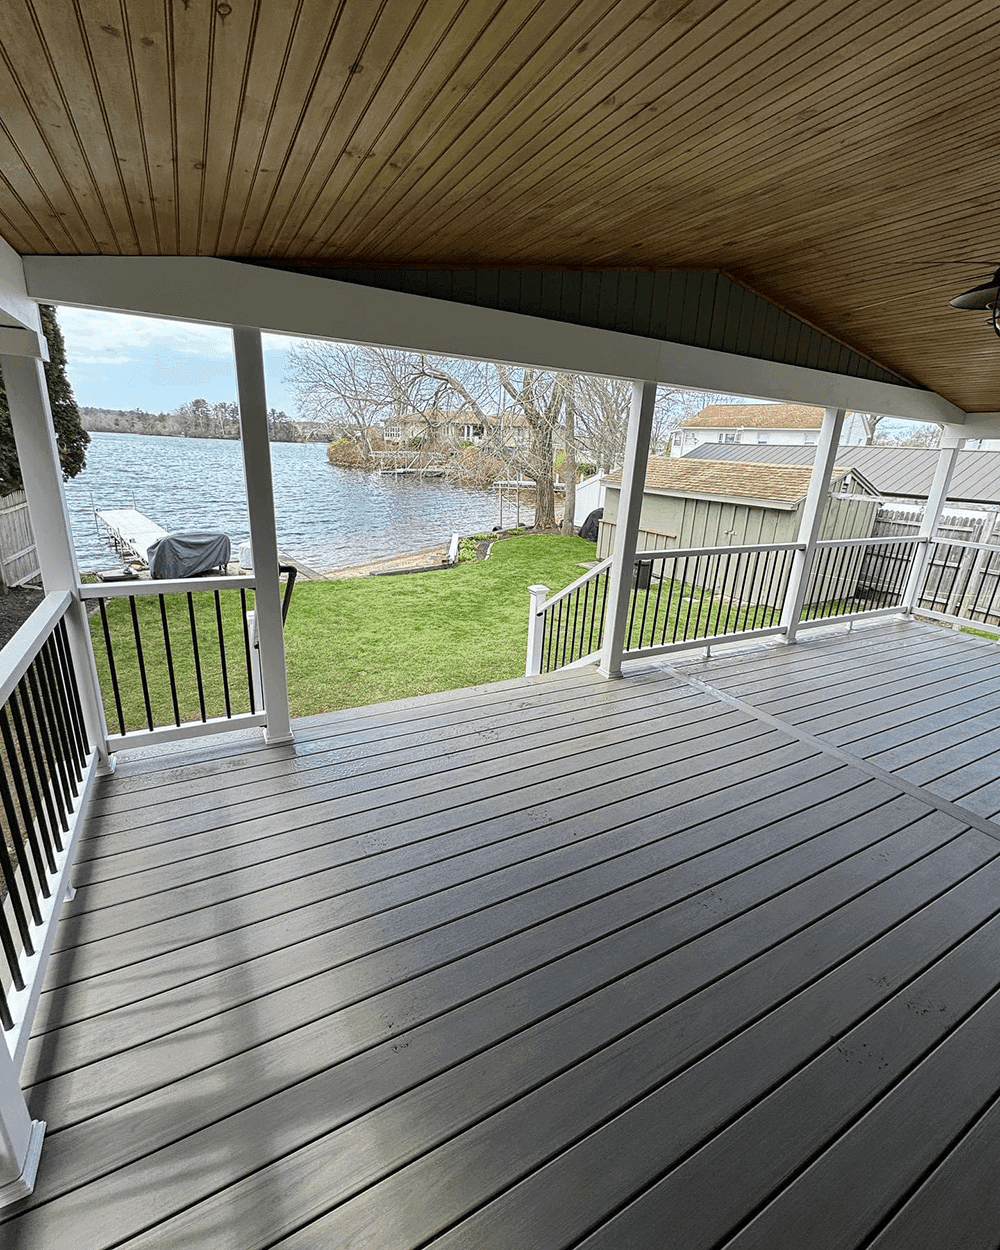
<point>18,557</point>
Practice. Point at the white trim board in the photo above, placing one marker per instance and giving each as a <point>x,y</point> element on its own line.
<point>223,292</point>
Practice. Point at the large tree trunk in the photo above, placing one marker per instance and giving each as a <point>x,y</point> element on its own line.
<point>541,473</point>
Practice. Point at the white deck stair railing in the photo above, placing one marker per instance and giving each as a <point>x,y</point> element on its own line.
<point>47,768</point>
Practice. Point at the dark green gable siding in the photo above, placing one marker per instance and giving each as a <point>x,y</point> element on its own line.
<point>700,309</point>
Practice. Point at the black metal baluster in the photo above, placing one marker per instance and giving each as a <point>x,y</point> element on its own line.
<point>27,850</point>
<point>222,656</point>
<point>141,660</point>
<point>115,689</point>
<point>49,728</point>
<point>779,561</point>
<point>673,606</point>
<point>71,693</point>
<point>247,648</point>
<point>641,568</point>
<point>751,611</point>
<point>197,656</point>
<point>58,719</point>
<point>685,584</point>
<point>711,572</point>
<point>30,756</point>
<point>552,633</point>
<point>24,803</point>
<point>723,591</point>
<point>632,605</point>
<point>28,884</point>
<point>566,632</point>
<point>172,676</point>
<point>9,874</point>
<point>48,755</point>
<point>604,609</point>
<point>588,617</point>
<point>73,751</point>
<point>743,568</point>
<point>656,603</point>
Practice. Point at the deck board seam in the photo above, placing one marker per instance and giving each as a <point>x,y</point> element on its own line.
<point>980,823</point>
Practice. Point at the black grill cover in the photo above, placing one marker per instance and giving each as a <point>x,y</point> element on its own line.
<point>590,528</point>
<point>187,555</point>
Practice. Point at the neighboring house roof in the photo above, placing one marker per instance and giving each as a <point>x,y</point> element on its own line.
<point>781,484</point>
<point>906,472</point>
<point>756,417</point>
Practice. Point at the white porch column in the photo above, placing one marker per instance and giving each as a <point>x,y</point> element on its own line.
<point>952,442</point>
<point>812,519</point>
<point>263,534</point>
<point>20,1137</point>
<point>640,427</point>
<point>37,452</point>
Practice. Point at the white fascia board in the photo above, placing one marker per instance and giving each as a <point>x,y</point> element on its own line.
<point>222,292</point>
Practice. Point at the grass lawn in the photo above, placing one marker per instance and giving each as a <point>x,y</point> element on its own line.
<point>371,639</point>
<point>361,640</point>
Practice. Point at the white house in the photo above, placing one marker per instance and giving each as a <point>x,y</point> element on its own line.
<point>748,423</point>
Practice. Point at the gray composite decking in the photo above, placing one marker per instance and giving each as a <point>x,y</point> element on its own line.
<point>706,957</point>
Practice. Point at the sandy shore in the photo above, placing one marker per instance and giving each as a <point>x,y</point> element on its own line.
<point>409,560</point>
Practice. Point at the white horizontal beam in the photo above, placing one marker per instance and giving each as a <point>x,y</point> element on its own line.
<point>221,292</point>
<point>20,324</point>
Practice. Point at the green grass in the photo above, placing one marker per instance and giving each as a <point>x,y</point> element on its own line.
<point>352,642</point>
<point>371,639</point>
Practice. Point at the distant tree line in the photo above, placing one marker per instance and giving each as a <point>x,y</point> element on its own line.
<point>199,419</point>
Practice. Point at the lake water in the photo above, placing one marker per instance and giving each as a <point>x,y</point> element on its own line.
<point>326,517</point>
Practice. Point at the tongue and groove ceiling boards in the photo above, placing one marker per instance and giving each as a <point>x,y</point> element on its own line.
<point>833,156</point>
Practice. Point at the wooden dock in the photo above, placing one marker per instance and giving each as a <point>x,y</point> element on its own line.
<point>131,533</point>
<point>708,957</point>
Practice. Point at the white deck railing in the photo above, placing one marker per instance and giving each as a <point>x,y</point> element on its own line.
<point>702,596</point>
<point>47,767</point>
<point>175,659</point>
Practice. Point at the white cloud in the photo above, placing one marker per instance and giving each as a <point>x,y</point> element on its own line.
<point>94,337</point>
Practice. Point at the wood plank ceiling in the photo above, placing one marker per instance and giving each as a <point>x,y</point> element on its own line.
<point>830,154</point>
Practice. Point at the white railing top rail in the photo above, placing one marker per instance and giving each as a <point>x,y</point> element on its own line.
<point>580,581</point>
<point>959,542</point>
<point>688,552</point>
<point>17,655</point>
<point>149,586</point>
<point>912,539</point>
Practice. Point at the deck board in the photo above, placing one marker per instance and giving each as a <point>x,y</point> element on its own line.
<point>535,964</point>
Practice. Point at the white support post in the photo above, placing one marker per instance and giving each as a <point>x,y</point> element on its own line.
<point>31,420</point>
<point>533,666</point>
<point>952,443</point>
<point>263,533</point>
<point>640,428</point>
<point>812,520</point>
<point>20,1137</point>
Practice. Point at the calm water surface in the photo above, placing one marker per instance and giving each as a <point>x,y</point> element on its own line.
<point>327,518</point>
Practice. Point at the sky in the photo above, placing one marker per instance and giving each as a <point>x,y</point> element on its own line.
<point>119,361</point>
